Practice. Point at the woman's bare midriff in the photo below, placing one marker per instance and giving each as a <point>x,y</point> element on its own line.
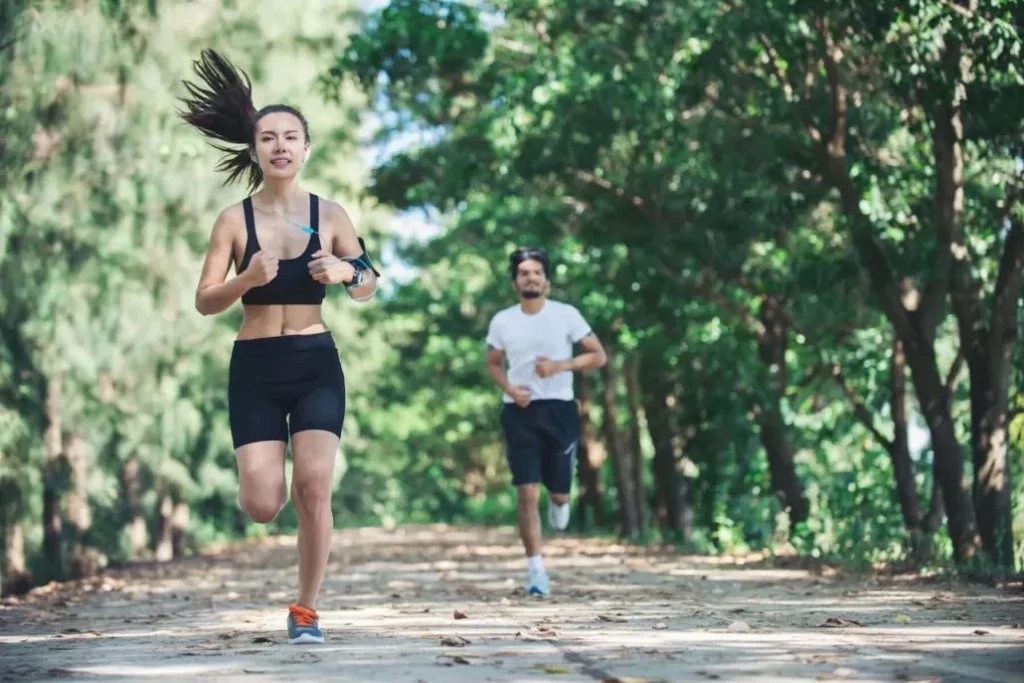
<point>279,321</point>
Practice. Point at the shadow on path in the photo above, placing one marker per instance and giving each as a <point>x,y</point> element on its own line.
<point>617,613</point>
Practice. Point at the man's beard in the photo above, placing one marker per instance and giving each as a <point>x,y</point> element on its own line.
<point>530,293</point>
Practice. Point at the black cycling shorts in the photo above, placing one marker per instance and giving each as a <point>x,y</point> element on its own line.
<point>541,442</point>
<point>282,385</point>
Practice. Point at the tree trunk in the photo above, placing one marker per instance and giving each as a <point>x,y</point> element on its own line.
<point>138,534</point>
<point>632,382</point>
<point>591,455</point>
<point>919,351</point>
<point>915,324</point>
<point>164,549</point>
<point>179,529</point>
<point>902,466</point>
<point>988,348</point>
<point>989,447</point>
<point>936,509</point>
<point>84,561</point>
<point>619,453</point>
<point>674,514</point>
<point>990,362</point>
<point>948,465</point>
<point>772,341</point>
<point>16,577</point>
<point>53,486</point>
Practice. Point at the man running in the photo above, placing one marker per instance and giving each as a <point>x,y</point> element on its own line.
<point>539,418</point>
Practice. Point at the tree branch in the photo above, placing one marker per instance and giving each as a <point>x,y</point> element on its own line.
<point>1009,278</point>
<point>835,137</point>
<point>832,154</point>
<point>860,411</point>
<point>704,290</point>
<point>953,376</point>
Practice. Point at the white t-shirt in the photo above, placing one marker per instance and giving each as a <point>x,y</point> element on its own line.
<point>523,337</point>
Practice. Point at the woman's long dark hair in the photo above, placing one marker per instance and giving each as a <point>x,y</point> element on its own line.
<point>223,110</point>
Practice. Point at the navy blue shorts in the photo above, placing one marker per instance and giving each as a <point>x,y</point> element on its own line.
<point>282,385</point>
<point>541,442</point>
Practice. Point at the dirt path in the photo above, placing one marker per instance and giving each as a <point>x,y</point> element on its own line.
<point>618,613</point>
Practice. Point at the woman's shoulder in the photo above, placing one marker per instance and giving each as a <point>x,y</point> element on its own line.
<point>333,214</point>
<point>230,220</point>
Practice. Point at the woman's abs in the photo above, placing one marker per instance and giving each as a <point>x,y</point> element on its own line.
<point>278,320</point>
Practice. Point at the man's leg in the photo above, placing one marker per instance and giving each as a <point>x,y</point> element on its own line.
<point>561,427</point>
<point>522,450</point>
<point>528,496</point>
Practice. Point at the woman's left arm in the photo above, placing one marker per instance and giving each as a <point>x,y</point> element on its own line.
<point>347,263</point>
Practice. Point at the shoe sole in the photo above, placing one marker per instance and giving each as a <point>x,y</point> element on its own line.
<point>306,639</point>
<point>538,592</point>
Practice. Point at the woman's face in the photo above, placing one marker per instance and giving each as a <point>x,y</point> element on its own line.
<point>281,145</point>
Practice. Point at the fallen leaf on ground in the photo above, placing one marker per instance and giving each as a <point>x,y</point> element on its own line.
<point>979,632</point>
<point>458,614</point>
<point>448,660</point>
<point>609,617</point>
<point>822,659</point>
<point>839,622</point>
<point>261,639</point>
<point>902,619</point>
<point>454,641</point>
<point>550,669</point>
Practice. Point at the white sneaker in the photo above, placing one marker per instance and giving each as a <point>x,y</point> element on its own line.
<point>537,583</point>
<point>558,516</point>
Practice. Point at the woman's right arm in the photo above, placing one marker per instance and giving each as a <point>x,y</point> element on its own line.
<point>214,294</point>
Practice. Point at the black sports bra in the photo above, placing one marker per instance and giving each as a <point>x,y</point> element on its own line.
<point>293,284</point>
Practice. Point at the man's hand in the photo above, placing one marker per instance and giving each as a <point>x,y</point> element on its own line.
<point>520,394</point>
<point>329,269</point>
<point>545,367</point>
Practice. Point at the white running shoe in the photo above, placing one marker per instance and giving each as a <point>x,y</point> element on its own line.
<point>537,583</point>
<point>558,516</point>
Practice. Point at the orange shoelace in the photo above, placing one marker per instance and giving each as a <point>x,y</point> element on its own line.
<point>303,616</point>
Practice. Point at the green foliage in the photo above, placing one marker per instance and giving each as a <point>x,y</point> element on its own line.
<point>672,157</point>
<point>667,157</point>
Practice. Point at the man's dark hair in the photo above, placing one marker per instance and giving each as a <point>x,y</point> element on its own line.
<point>529,254</point>
<point>223,110</point>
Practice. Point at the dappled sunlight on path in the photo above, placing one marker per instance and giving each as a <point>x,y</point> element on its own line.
<point>389,612</point>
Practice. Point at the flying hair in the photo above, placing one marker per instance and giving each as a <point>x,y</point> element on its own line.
<point>222,109</point>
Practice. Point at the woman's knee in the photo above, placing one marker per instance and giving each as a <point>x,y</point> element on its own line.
<point>261,480</point>
<point>312,496</point>
<point>261,508</point>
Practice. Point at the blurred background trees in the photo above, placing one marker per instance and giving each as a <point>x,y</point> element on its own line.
<point>795,225</point>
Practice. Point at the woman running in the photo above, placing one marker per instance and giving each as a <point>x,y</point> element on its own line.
<point>285,377</point>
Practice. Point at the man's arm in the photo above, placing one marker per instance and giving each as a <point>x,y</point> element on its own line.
<point>593,356</point>
<point>496,368</point>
